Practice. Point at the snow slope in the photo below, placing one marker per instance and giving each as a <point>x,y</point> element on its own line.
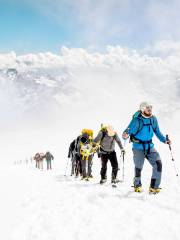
<point>37,205</point>
<point>45,101</point>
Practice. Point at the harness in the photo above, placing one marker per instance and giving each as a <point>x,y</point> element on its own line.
<point>86,146</point>
<point>86,150</point>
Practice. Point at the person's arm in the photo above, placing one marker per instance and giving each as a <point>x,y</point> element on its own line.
<point>131,129</point>
<point>78,145</point>
<point>99,137</point>
<point>117,139</point>
<point>157,131</point>
<point>69,153</point>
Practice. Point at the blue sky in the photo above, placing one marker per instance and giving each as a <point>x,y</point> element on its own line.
<point>46,25</point>
<point>24,29</point>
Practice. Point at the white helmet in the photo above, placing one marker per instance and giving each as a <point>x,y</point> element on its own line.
<point>144,105</point>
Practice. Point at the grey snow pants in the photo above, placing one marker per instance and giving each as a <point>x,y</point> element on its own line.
<point>86,164</point>
<point>154,159</point>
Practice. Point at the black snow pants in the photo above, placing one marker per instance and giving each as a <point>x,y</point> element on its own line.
<point>114,164</point>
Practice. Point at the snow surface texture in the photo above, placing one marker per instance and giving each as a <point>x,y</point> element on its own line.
<point>45,101</point>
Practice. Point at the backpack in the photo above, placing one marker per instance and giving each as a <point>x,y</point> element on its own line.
<point>104,134</point>
<point>86,139</point>
<point>88,132</point>
<point>137,115</point>
<point>133,138</point>
<point>37,157</point>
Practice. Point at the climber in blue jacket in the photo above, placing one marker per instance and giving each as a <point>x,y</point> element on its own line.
<point>141,130</point>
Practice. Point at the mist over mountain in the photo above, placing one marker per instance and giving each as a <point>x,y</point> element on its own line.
<point>44,83</point>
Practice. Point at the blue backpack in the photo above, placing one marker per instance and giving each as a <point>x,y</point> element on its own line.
<point>133,138</point>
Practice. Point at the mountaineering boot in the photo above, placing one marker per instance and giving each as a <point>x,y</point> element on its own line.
<point>137,189</point>
<point>90,176</point>
<point>115,180</point>
<point>84,177</point>
<point>103,180</point>
<point>154,190</point>
<point>87,178</point>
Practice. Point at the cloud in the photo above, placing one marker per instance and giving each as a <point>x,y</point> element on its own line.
<point>84,78</point>
<point>164,48</point>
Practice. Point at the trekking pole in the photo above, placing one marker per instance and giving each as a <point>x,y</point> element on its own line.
<point>66,167</point>
<point>122,155</point>
<point>172,158</point>
<point>123,167</point>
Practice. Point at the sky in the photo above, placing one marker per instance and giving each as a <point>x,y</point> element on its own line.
<point>38,26</point>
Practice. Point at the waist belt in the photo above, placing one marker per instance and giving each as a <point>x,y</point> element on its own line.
<point>105,152</point>
<point>138,141</point>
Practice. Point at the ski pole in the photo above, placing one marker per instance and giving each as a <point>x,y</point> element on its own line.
<point>172,157</point>
<point>122,155</point>
<point>123,167</point>
<point>66,167</point>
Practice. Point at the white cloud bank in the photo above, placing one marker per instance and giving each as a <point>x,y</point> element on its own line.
<point>82,77</point>
<point>49,98</point>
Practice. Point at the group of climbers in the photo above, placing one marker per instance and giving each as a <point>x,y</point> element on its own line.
<point>39,158</point>
<point>140,132</point>
<point>83,148</point>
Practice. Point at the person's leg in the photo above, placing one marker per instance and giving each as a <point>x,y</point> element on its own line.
<point>114,165</point>
<point>73,165</point>
<point>50,164</point>
<point>90,161</point>
<point>138,157</point>
<point>41,164</point>
<point>155,161</point>
<point>104,160</point>
<point>77,163</point>
<point>83,165</point>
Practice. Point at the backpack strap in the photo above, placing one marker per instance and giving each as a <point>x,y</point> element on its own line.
<point>103,135</point>
<point>112,141</point>
<point>140,127</point>
<point>142,124</point>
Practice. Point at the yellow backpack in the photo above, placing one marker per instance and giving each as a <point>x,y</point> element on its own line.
<point>86,148</point>
<point>89,132</point>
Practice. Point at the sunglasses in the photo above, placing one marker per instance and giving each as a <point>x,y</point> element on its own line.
<point>149,107</point>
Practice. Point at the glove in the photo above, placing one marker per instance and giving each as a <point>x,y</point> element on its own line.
<point>123,152</point>
<point>125,135</point>
<point>168,142</point>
